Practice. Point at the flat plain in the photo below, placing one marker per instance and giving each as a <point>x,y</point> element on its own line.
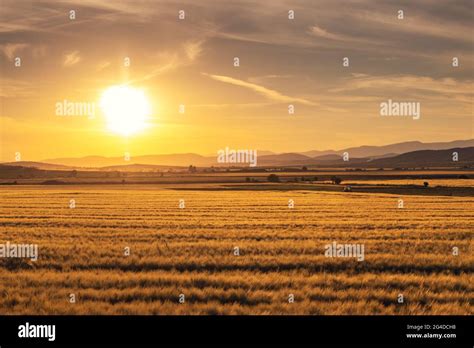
<point>191,251</point>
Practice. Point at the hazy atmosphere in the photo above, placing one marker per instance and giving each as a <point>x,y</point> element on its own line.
<point>200,102</point>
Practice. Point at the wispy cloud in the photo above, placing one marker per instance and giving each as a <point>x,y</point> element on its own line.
<point>320,32</point>
<point>10,49</point>
<point>103,65</point>
<point>193,49</point>
<point>445,86</point>
<point>266,92</point>
<point>71,59</point>
<point>169,61</point>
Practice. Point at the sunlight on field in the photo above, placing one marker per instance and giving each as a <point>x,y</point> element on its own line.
<point>190,251</point>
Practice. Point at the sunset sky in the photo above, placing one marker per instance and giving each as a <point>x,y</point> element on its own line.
<point>191,62</point>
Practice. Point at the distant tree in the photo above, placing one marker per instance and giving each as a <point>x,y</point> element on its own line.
<point>304,168</point>
<point>192,169</point>
<point>315,178</point>
<point>247,179</point>
<point>336,180</point>
<point>273,178</point>
<point>123,181</point>
<point>426,183</point>
<point>74,174</point>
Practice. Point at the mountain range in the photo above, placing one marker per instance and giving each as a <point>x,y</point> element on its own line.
<point>413,153</point>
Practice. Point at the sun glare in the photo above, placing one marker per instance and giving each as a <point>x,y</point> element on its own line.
<point>126,109</point>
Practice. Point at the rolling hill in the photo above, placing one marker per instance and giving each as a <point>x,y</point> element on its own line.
<point>382,156</point>
<point>398,148</point>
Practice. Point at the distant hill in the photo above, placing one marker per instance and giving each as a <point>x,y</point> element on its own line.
<point>361,154</point>
<point>398,148</point>
<point>428,158</point>
<point>332,157</point>
<point>185,159</point>
<point>139,168</point>
<point>9,172</point>
<point>39,165</point>
<point>283,159</point>
<point>414,159</point>
<point>422,158</point>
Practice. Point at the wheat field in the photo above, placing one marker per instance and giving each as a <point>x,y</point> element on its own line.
<point>191,252</point>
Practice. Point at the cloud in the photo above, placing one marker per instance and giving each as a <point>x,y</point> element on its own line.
<point>71,59</point>
<point>10,49</point>
<point>193,49</point>
<point>169,61</point>
<point>446,86</point>
<point>447,91</point>
<point>266,92</point>
<point>103,65</point>
<point>320,32</point>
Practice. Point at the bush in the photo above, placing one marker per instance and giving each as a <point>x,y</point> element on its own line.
<point>426,184</point>
<point>247,179</point>
<point>273,178</point>
<point>336,180</point>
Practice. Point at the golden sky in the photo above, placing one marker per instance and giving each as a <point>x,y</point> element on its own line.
<point>190,61</point>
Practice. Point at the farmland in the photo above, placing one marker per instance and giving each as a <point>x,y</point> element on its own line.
<point>191,251</point>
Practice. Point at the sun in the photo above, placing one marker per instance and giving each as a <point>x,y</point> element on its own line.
<point>126,109</point>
